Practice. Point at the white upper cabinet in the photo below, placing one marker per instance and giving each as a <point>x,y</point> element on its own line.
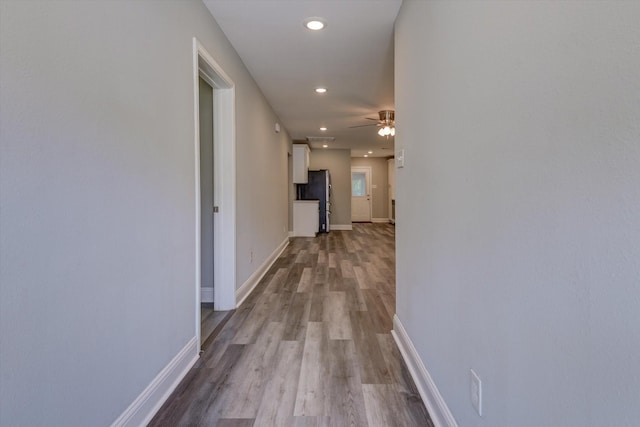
<point>300,163</point>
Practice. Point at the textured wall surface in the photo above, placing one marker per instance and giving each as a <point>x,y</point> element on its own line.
<point>339,164</point>
<point>519,237</point>
<point>97,244</point>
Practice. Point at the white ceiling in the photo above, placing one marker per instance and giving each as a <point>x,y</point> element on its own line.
<point>352,57</point>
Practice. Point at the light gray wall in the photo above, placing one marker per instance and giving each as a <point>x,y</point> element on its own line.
<point>205,109</point>
<point>518,234</point>
<point>97,245</point>
<point>339,164</point>
<point>379,179</point>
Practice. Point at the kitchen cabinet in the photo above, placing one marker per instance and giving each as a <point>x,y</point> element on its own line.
<point>305,218</point>
<point>300,163</point>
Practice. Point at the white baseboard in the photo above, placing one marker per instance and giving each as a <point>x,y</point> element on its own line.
<point>145,406</point>
<point>438,409</point>
<point>243,291</point>
<point>338,227</point>
<point>206,294</point>
<point>385,220</point>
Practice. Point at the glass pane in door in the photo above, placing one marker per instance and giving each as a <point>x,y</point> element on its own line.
<point>358,184</point>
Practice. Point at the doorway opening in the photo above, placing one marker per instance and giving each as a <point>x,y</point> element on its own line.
<point>214,155</point>
<point>361,194</point>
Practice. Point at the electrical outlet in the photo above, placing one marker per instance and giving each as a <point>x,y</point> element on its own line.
<point>476,392</point>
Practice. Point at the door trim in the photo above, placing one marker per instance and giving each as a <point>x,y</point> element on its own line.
<point>224,165</point>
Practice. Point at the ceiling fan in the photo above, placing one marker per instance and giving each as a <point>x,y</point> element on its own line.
<point>386,123</point>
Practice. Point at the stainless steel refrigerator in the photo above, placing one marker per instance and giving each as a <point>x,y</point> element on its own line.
<point>318,188</point>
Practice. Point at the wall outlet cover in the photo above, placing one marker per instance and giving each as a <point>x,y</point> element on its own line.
<point>400,159</point>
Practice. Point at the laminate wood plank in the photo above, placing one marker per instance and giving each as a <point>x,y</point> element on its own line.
<point>333,260</point>
<point>220,318</point>
<point>255,322</point>
<point>383,408</point>
<point>277,280</point>
<point>312,422</point>
<point>281,305</point>
<point>380,317</point>
<point>347,400</point>
<point>335,280</point>
<point>304,285</point>
<point>415,412</point>
<point>312,398</point>
<point>320,273</point>
<point>316,309</point>
<point>253,371</point>
<point>236,422</point>
<point>336,316</point>
<point>293,278</point>
<point>191,399</point>
<point>216,348</point>
<point>389,300</point>
<point>373,368</point>
<point>302,256</point>
<point>362,278</point>
<point>355,299</point>
<point>279,398</point>
<point>346,268</point>
<point>374,273</point>
<point>297,317</point>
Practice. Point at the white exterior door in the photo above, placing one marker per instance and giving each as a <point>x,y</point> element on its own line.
<point>361,194</point>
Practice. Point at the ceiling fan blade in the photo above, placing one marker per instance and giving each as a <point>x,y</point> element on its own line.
<point>369,118</point>
<point>360,126</point>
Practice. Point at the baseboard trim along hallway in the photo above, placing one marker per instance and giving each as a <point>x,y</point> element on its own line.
<point>243,291</point>
<point>206,294</point>
<point>438,409</point>
<point>341,227</point>
<point>142,410</point>
<point>380,220</point>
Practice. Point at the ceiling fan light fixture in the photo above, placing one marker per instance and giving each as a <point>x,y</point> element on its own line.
<point>314,24</point>
<point>387,121</point>
<point>387,131</point>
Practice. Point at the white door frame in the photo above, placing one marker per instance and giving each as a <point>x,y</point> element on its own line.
<point>367,170</point>
<point>224,164</point>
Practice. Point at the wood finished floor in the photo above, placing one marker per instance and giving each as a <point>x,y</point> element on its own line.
<point>210,321</point>
<point>311,346</point>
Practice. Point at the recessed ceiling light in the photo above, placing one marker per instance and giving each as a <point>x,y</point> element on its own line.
<point>321,90</point>
<point>324,145</point>
<point>314,24</point>
<point>366,155</point>
<point>370,152</point>
<point>323,129</point>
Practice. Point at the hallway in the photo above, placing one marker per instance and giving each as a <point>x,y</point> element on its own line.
<point>311,346</point>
